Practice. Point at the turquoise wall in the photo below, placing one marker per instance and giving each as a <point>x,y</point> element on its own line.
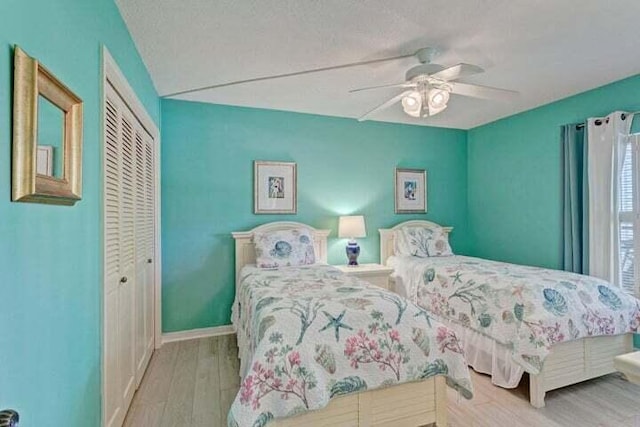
<point>344,167</point>
<point>515,185</point>
<point>51,132</point>
<point>51,256</point>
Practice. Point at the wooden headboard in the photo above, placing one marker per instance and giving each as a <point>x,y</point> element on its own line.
<point>245,249</point>
<point>387,244</point>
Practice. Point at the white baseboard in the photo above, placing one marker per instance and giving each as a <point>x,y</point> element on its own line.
<point>197,333</point>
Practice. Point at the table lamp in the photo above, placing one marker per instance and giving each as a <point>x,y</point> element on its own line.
<point>352,227</point>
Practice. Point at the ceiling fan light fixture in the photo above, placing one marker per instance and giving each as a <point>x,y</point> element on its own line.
<point>438,98</point>
<point>434,111</point>
<point>412,104</point>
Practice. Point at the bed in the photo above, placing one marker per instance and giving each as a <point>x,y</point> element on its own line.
<point>268,305</point>
<point>572,358</point>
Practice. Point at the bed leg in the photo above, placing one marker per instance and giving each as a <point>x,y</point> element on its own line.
<point>536,391</point>
<point>441,401</point>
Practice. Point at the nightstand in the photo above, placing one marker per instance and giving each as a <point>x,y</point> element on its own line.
<point>375,274</point>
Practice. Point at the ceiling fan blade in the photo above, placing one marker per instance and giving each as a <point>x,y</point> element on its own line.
<point>280,76</point>
<point>484,92</point>
<point>405,84</point>
<point>457,72</point>
<point>387,104</point>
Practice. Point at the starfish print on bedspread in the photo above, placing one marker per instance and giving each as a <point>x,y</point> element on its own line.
<point>336,323</point>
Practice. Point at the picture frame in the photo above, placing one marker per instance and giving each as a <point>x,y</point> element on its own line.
<point>410,191</point>
<point>274,187</point>
<point>32,81</point>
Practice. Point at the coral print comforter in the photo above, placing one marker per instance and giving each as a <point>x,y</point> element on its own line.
<point>528,309</point>
<point>308,334</point>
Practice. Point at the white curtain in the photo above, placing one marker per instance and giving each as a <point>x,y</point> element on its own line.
<point>604,138</point>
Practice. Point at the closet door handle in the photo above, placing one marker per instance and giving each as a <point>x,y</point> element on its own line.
<point>149,261</point>
<point>9,418</point>
<point>124,279</point>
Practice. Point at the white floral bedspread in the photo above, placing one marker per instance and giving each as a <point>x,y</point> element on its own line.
<point>308,334</point>
<point>528,309</point>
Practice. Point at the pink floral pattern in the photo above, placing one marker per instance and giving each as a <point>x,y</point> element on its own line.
<point>528,309</point>
<point>381,347</point>
<point>447,340</point>
<point>282,373</point>
<point>597,324</point>
<point>307,334</point>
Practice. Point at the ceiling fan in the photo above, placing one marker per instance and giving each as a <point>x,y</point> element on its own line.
<point>430,85</point>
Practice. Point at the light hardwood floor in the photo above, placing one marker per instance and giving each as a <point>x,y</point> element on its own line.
<point>193,383</point>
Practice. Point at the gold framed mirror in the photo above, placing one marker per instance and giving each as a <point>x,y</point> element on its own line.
<point>47,136</point>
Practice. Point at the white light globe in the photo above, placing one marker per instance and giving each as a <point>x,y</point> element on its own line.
<point>438,99</point>
<point>412,104</point>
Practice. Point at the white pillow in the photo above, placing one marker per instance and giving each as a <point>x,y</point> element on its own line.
<point>400,245</point>
<point>438,244</point>
<point>413,241</point>
<point>284,248</point>
<point>422,242</point>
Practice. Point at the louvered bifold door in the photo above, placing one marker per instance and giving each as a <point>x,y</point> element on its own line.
<point>149,234</point>
<point>127,261</point>
<point>144,256</point>
<point>119,197</point>
<point>113,407</point>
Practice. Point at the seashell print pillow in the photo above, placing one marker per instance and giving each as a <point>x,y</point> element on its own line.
<point>438,244</point>
<point>284,248</point>
<point>412,241</point>
<point>422,242</point>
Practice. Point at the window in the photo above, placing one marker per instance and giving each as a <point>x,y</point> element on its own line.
<point>629,214</point>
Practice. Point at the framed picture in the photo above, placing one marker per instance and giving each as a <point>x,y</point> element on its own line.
<point>411,190</point>
<point>274,187</point>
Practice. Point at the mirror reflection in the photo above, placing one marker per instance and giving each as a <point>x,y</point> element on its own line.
<point>50,154</point>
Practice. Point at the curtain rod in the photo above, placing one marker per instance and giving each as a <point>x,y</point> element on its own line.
<point>599,122</point>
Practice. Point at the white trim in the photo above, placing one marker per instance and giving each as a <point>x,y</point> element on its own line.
<point>111,74</point>
<point>192,334</point>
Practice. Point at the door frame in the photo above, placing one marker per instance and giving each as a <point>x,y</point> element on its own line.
<point>111,74</point>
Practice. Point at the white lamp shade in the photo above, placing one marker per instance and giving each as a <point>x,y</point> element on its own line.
<point>351,227</point>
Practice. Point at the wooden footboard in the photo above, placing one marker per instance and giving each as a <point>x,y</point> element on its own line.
<point>405,405</point>
<point>575,361</point>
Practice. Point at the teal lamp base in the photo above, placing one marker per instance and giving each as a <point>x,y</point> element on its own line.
<point>353,250</point>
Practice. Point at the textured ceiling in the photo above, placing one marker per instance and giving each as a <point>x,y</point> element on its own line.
<point>545,49</point>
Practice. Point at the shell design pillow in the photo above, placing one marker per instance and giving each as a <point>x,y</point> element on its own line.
<point>284,248</point>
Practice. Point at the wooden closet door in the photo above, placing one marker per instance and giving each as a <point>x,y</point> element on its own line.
<point>113,407</point>
<point>150,241</point>
<point>119,211</point>
<point>144,224</point>
<point>127,262</point>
